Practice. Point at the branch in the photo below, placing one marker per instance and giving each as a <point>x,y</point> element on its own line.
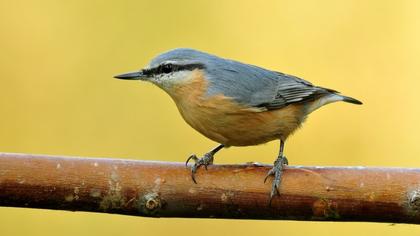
<point>160,189</point>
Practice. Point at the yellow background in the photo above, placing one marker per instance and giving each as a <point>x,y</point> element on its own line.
<point>57,59</point>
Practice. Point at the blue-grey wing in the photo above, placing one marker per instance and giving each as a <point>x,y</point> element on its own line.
<point>257,87</point>
<point>290,89</point>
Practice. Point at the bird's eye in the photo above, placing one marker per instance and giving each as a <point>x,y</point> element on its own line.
<point>167,68</point>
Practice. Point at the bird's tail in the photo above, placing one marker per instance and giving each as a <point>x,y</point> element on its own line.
<point>330,98</point>
<point>350,100</point>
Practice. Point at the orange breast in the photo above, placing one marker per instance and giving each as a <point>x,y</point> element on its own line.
<point>223,120</point>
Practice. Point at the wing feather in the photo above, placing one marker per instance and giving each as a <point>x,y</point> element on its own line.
<point>290,89</point>
<point>260,88</point>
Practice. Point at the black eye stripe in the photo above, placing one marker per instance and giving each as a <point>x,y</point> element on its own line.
<point>168,68</point>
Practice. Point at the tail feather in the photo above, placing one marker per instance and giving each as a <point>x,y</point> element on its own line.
<point>351,100</point>
<point>330,98</point>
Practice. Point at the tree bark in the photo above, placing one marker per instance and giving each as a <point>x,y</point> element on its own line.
<point>161,189</point>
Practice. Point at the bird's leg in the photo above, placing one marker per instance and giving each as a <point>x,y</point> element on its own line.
<point>206,160</point>
<point>277,171</point>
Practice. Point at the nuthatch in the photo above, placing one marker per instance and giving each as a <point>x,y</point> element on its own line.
<point>233,103</point>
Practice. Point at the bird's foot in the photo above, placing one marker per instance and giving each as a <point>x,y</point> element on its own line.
<point>206,160</point>
<point>277,172</point>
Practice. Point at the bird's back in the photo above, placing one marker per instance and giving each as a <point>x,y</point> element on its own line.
<point>254,86</point>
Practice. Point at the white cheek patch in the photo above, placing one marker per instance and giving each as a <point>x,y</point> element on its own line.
<point>168,80</point>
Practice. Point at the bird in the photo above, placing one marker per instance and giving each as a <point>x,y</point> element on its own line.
<point>234,103</point>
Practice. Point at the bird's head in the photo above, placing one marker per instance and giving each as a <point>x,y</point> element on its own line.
<point>171,68</point>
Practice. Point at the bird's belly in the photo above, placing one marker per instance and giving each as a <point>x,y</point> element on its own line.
<point>233,125</point>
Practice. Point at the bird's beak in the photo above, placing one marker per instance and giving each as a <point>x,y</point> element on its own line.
<point>131,76</point>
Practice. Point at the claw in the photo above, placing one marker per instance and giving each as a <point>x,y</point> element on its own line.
<point>193,170</point>
<point>270,172</point>
<point>206,160</point>
<point>277,171</point>
<point>193,156</point>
